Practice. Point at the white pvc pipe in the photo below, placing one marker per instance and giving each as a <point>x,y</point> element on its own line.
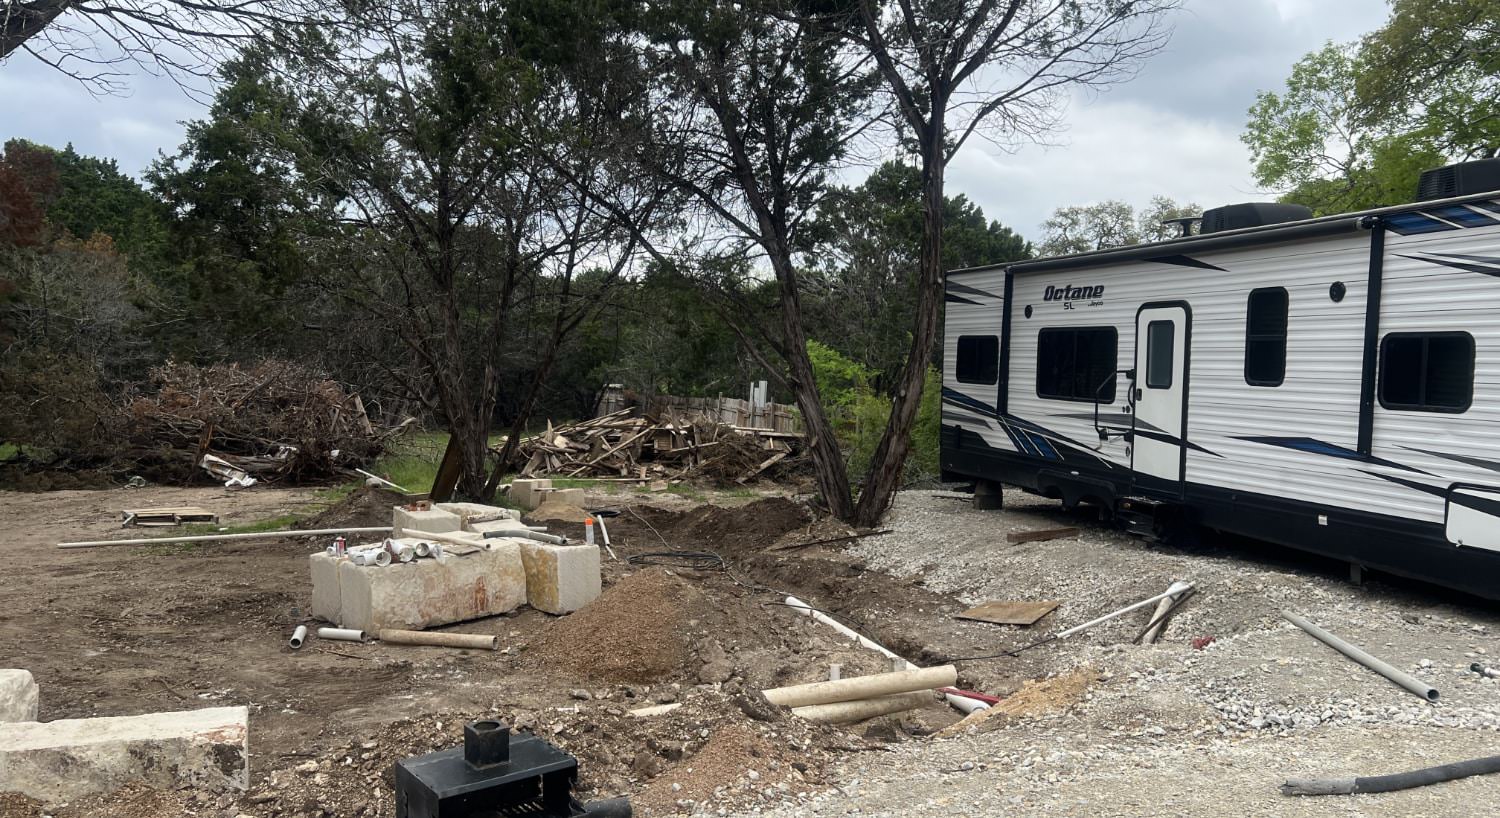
<point>423,549</point>
<point>857,688</point>
<point>298,637</point>
<point>844,712</point>
<point>253,535</point>
<point>1175,589</point>
<point>383,481</point>
<point>341,634</point>
<point>961,703</point>
<point>654,710</point>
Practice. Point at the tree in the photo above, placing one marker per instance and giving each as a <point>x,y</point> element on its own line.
<point>1112,223</point>
<point>1358,123</point>
<point>455,234</point>
<point>88,40</point>
<point>747,111</point>
<point>996,67</point>
<point>861,279</point>
<point>1434,67</point>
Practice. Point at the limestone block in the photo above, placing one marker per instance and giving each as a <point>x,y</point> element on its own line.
<point>203,750</point>
<point>433,521</point>
<point>18,696</point>
<point>496,525</point>
<point>560,578</point>
<point>526,491</point>
<point>326,599</point>
<point>572,497</point>
<point>468,511</point>
<point>428,592</point>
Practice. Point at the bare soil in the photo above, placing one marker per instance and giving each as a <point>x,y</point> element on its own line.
<point>133,629</point>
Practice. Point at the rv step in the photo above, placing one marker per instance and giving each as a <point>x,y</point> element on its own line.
<point>1144,517</point>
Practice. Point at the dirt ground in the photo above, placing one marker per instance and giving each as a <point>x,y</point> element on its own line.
<point>1091,726</point>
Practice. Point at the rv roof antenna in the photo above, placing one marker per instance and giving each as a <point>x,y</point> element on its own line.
<point>1184,225</point>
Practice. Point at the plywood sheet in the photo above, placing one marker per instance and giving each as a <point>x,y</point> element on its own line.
<point>1002,612</point>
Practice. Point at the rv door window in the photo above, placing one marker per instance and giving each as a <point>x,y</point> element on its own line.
<point>1160,340</point>
<point>1265,337</point>
<point>1427,371</point>
<point>1076,364</point>
<point>978,359</point>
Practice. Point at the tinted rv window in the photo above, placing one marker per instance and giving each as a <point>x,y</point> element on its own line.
<point>1073,364</point>
<point>1265,337</point>
<point>978,359</point>
<point>1160,340</point>
<point>1427,371</point>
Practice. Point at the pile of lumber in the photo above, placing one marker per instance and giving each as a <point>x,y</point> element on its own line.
<point>275,420</point>
<point>649,449</point>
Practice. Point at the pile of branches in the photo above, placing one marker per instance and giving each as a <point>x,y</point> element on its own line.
<point>664,450</point>
<point>275,420</point>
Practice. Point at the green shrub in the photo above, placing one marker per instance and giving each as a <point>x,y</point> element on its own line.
<point>859,414</point>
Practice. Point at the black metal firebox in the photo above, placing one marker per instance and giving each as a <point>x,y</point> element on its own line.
<point>495,773</point>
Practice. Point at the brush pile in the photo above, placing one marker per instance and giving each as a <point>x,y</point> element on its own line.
<point>648,449</point>
<point>274,420</point>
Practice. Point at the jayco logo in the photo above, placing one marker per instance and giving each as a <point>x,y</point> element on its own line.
<point>1068,292</point>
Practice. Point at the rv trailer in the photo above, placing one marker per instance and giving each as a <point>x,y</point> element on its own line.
<point>1330,384</point>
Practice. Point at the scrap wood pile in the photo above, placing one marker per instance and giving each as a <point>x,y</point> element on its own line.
<point>649,449</point>
<point>274,420</point>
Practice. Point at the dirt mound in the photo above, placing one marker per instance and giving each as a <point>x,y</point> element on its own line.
<point>749,527</point>
<point>557,511</point>
<point>365,506</point>
<point>638,630</point>
<point>1036,697</point>
<point>729,758</point>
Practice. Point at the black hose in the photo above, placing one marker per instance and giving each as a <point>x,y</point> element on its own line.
<point>1390,783</point>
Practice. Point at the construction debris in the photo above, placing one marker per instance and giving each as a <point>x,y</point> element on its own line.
<point>1040,535</point>
<point>275,420</point>
<point>998,612</point>
<point>619,447</point>
<point>161,517</point>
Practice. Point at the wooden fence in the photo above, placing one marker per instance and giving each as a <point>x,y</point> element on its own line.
<point>775,417</point>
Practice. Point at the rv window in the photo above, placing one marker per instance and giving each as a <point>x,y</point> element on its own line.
<point>1073,364</point>
<point>1160,340</point>
<point>1265,337</point>
<point>1427,371</point>
<point>978,359</point>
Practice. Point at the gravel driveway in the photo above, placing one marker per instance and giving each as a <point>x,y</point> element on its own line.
<point>1167,729</point>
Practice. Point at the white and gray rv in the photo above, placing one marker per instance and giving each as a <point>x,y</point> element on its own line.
<point>1330,384</point>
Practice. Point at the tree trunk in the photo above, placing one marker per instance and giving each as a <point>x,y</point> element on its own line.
<point>828,459</point>
<point>889,462</point>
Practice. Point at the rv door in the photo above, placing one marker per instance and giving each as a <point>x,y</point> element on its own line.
<point>1160,395</point>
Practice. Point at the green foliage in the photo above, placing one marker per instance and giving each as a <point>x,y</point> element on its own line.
<point>1085,228</point>
<point>1356,124</point>
<point>859,413</point>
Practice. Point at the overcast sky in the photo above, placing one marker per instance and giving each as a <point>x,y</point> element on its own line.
<point>1173,130</point>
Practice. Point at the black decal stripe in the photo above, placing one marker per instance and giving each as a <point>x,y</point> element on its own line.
<point>972,417</point>
<point>960,399</point>
<point>1319,447</point>
<point>1185,261</point>
<point>1173,440</point>
<point>1457,265</point>
<point>955,299</point>
<point>1121,421</point>
<point>955,287</point>
<point>1055,437</point>
<point>1438,491</point>
<point>1492,465</point>
<point>1484,505</point>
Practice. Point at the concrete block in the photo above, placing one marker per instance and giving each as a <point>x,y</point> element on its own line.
<point>526,491</point>
<point>496,525</point>
<point>428,592</point>
<point>18,696</point>
<point>326,599</point>
<point>572,497</point>
<point>560,578</point>
<point>204,750</point>
<point>468,511</point>
<point>433,520</point>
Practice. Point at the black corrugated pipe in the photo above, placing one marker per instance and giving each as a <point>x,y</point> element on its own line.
<point>1389,783</point>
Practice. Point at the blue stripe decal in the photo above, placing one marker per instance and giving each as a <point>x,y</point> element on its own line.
<point>1464,216</point>
<point>1408,224</point>
<point>1312,446</point>
<point>967,402</point>
<point>1043,447</point>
